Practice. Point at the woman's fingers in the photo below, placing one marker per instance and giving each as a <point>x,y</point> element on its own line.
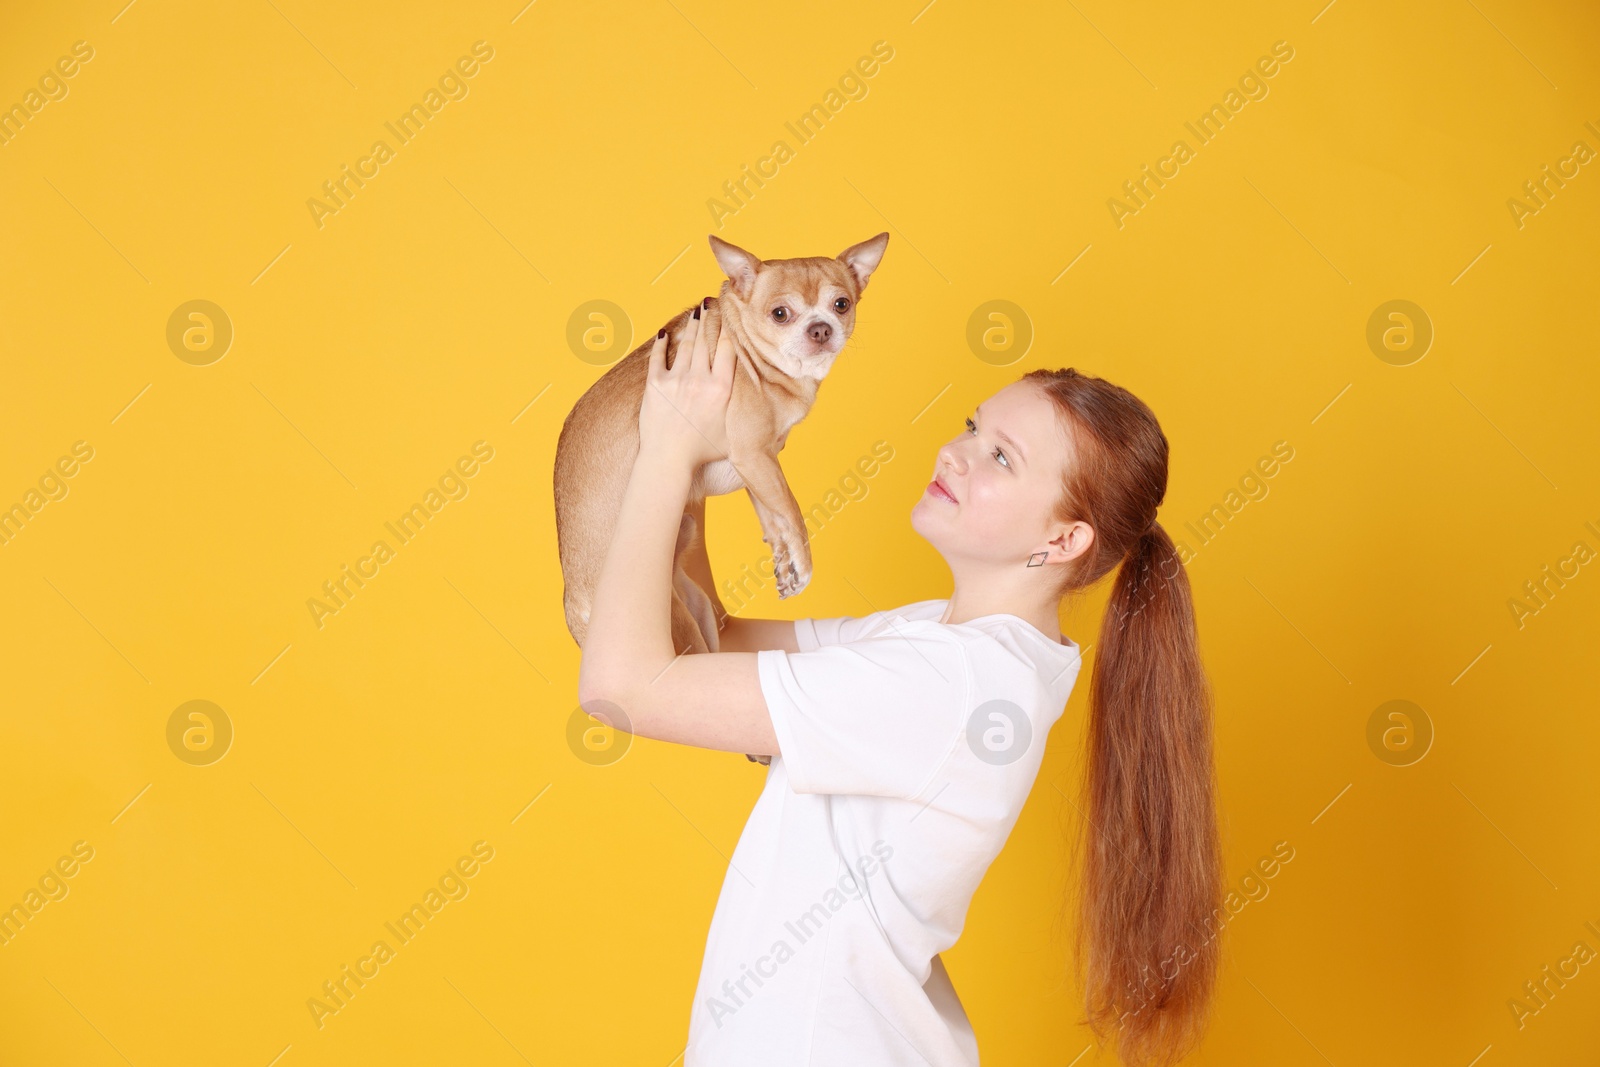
<point>658,357</point>
<point>723,368</point>
<point>685,342</point>
<point>691,334</point>
<point>692,353</point>
<point>700,358</point>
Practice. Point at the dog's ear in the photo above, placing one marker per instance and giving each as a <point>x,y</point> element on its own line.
<point>863,259</point>
<point>740,266</point>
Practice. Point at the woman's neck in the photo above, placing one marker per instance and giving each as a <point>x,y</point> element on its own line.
<point>964,607</point>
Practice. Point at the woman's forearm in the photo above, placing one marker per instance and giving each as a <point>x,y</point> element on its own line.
<point>629,642</point>
<point>697,565</point>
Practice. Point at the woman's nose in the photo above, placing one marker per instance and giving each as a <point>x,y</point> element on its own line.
<point>950,456</point>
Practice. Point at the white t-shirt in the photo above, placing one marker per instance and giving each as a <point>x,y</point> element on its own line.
<point>908,749</point>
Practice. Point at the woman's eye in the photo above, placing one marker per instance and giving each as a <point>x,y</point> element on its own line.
<point>998,454</point>
<point>781,314</point>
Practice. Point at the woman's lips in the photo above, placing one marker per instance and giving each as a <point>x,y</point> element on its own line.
<point>937,490</point>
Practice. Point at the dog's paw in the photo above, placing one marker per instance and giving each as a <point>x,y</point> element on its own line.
<point>791,570</point>
<point>791,579</point>
<point>782,570</point>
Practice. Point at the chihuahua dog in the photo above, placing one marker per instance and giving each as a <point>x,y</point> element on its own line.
<point>788,319</point>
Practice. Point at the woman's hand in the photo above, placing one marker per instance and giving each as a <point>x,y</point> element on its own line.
<point>685,408</point>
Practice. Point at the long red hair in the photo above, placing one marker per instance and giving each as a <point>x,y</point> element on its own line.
<point>1150,855</point>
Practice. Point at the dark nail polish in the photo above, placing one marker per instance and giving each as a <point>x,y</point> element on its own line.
<point>697,312</point>
<point>662,333</point>
<point>706,303</point>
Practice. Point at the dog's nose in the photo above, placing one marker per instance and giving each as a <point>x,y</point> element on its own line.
<point>819,332</point>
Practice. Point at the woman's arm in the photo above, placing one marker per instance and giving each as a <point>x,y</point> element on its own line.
<point>712,700</point>
<point>756,635</point>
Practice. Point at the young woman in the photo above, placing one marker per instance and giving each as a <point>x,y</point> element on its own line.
<point>904,743</point>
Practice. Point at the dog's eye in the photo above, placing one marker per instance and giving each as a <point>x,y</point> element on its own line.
<point>781,314</point>
<point>842,304</point>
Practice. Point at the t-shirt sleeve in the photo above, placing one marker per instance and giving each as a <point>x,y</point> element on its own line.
<point>812,634</point>
<point>815,633</point>
<point>873,717</point>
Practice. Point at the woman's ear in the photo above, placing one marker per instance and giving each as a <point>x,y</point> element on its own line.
<point>1074,540</point>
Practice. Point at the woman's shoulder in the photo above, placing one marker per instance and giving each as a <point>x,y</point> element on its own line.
<point>1007,638</point>
<point>921,610</point>
<point>1006,647</point>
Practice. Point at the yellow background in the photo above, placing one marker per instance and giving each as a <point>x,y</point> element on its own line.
<point>431,312</point>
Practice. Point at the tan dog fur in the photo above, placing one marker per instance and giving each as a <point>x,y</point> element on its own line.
<point>781,364</point>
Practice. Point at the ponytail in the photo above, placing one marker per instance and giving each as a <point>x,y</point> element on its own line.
<point>1151,856</point>
<point>1151,887</point>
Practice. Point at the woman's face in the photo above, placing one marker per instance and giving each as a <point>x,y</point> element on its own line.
<point>1004,468</point>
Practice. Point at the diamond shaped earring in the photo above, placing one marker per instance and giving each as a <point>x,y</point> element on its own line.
<point>1037,559</point>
